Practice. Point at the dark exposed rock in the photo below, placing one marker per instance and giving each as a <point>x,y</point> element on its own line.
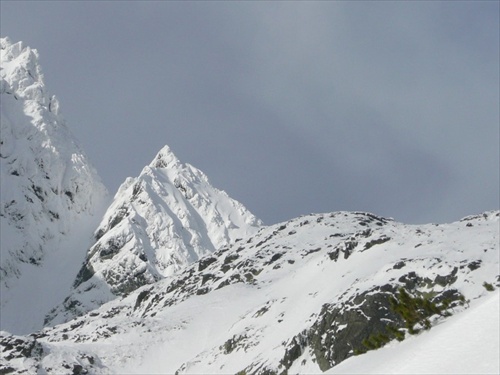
<point>294,350</point>
<point>230,258</point>
<point>223,284</point>
<point>334,254</point>
<point>205,262</point>
<point>399,265</point>
<point>474,265</point>
<point>85,273</point>
<point>6,369</point>
<point>274,258</point>
<point>141,297</point>
<point>364,234</point>
<point>447,279</point>
<point>19,347</point>
<point>121,213</point>
<point>98,234</point>
<point>40,194</point>
<point>123,285</point>
<point>112,312</point>
<point>69,194</point>
<point>339,330</point>
<point>307,252</point>
<point>412,280</point>
<point>348,248</point>
<point>175,285</point>
<point>112,247</point>
<point>201,291</point>
<point>136,190</point>
<point>78,369</point>
<point>376,241</point>
<point>232,343</point>
<point>207,277</point>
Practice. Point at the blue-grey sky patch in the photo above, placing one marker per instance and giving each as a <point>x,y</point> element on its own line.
<point>291,107</point>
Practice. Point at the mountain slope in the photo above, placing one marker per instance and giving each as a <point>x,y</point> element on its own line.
<point>297,297</point>
<point>179,278</point>
<point>158,223</point>
<point>50,199</point>
<point>466,344</point>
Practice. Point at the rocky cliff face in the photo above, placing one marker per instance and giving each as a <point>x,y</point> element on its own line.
<point>158,223</point>
<point>49,191</point>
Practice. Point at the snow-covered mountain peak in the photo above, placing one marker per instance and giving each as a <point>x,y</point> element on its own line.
<point>50,193</point>
<point>159,222</point>
<point>21,70</point>
<point>165,159</point>
<point>177,277</point>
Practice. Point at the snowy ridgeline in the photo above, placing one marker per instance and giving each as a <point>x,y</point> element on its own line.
<point>297,297</point>
<point>174,276</point>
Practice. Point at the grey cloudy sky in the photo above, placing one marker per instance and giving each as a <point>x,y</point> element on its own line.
<point>290,107</point>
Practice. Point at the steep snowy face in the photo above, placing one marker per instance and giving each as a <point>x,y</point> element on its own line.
<point>49,190</point>
<point>159,222</point>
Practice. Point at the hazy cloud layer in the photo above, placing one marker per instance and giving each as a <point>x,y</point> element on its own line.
<point>291,107</point>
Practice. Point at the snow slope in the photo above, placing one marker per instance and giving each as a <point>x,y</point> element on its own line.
<point>50,196</point>
<point>465,344</point>
<point>158,223</point>
<point>297,297</point>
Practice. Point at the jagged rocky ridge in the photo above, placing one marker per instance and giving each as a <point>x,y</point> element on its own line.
<point>49,192</point>
<point>297,297</point>
<point>158,223</point>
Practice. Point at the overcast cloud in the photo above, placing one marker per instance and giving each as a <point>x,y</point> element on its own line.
<point>290,107</point>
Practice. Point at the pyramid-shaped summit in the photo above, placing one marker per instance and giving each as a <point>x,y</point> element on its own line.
<point>165,158</point>
<point>158,223</point>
